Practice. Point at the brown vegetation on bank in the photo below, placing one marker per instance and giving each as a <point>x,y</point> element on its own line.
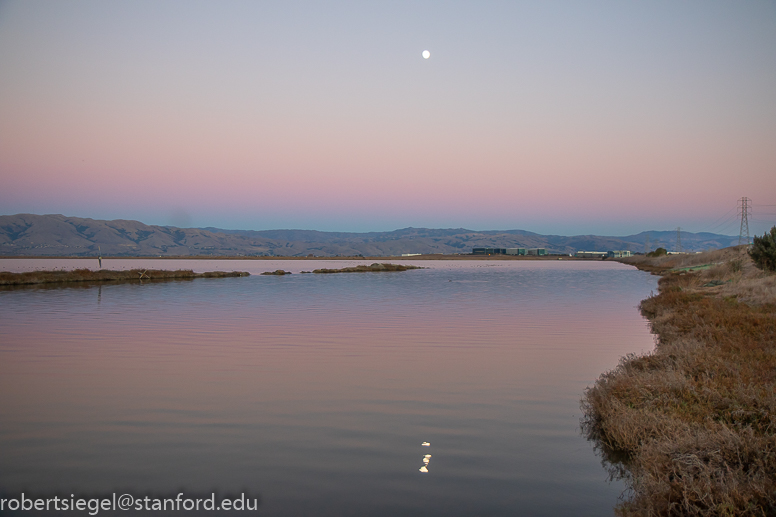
<point>695,420</point>
<point>374,268</point>
<point>104,275</point>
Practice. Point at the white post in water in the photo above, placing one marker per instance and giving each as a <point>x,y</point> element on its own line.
<point>99,256</point>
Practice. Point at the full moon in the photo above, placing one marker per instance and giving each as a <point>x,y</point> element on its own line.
<point>426,54</point>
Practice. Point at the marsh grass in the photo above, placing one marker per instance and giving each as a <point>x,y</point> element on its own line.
<point>695,420</point>
<point>374,268</point>
<point>105,275</point>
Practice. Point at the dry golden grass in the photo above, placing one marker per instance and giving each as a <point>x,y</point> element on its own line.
<point>696,418</point>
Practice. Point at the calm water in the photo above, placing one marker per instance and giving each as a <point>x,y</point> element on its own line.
<point>316,391</point>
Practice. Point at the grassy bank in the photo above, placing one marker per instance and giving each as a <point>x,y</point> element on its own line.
<point>692,425</point>
<point>105,275</point>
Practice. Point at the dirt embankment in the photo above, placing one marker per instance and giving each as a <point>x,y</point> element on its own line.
<point>105,275</point>
<point>691,426</point>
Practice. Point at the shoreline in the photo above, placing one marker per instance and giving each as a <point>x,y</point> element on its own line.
<point>691,426</point>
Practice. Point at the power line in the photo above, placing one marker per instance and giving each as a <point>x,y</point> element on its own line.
<point>736,217</point>
<point>714,225</point>
<point>728,224</point>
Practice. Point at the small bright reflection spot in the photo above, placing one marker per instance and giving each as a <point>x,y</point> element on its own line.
<point>426,458</point>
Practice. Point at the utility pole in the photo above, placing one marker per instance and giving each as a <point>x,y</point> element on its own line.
<point>744,210</point>
<point>679,239</point>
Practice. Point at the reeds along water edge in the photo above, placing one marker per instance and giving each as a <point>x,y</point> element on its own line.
<point>695,420</point>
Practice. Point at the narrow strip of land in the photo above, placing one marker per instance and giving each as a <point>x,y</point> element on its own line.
<point>373,268</point>
<point>107,276</point>
<point>363,268</point>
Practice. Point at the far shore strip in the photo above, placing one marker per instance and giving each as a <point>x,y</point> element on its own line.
<point>352,258</point>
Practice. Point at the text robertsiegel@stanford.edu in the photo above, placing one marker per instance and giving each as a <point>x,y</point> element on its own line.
<point>93,505</point>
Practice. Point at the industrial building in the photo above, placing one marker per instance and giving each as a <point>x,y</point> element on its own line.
<point>498,251</point>
<point>509,251</point>
<point>603,254</point>
<point>591,254</point>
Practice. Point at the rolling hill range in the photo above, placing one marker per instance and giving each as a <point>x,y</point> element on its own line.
<point>59,235</point>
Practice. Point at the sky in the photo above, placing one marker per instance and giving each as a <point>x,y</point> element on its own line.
<point>561,117</point>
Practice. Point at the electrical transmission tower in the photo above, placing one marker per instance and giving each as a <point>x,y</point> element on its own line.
<point>646,245</point>
<point>745,211</point>
<point>679,239</point>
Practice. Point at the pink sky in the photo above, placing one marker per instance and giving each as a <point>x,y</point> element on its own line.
<point>604,118</point>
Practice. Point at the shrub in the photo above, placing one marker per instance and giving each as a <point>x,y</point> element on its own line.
<point>657,253</point>
<point>763,251</point>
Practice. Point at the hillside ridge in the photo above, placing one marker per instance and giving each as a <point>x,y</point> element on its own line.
<point>59,235</point>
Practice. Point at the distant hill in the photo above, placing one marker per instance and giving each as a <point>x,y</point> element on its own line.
<point>58,235</point>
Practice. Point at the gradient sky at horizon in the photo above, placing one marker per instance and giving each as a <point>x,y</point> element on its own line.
<point>598,117</point>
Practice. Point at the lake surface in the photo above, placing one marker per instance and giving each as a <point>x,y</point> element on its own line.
<point>317,391</point>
